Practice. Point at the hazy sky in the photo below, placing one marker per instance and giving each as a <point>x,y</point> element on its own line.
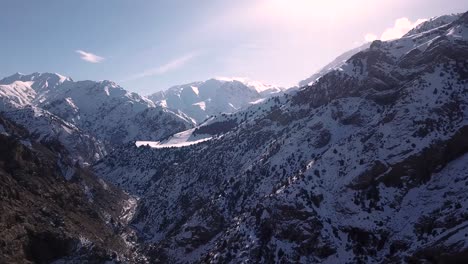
<point>147,46</point>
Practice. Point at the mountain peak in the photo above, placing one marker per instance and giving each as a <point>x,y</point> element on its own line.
<point>199,100</point>
<point>41,80</point>
<point>433,23</point>
<point>336,63</point>
<point>256,85</point>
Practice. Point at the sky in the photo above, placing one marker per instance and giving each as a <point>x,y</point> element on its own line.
<point>147,46</point>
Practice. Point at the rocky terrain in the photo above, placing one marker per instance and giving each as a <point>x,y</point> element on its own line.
<point>54,210</point>
<point>366,162</point>
<point>366,165</point>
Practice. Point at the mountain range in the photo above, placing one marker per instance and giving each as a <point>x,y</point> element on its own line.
<point>365,165</point>
<point>365,162</point>
<point>89,118</point>
<point>201,100</point>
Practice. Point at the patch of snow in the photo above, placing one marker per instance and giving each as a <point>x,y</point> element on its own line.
<point>258,101</point>
<point>195,90</point>
<point>202,105</point>
<point>182,139</point>
<point>163,103</point>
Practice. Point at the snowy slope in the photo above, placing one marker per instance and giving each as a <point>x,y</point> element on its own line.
<point>365,165</point>
<point>23,90</point>
<point>112,113</point>
<point>340,60</point>
<point>87,117</point>
<point>200,100</point>
<point>433,23</point>
<point>262,88</point>
<point>18,103</point>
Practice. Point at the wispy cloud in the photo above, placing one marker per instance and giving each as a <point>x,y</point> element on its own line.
<point>167,67</point>
<point>400,27</point>
<point>89,57</point>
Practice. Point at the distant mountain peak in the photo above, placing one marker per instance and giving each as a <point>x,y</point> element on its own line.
<point>37,75</point>
<point>101,110</point>
<point>40,82</point>
<point>202,99</point>
<point>256,85</point>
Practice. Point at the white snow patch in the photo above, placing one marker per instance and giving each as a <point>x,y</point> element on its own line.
<point>258,101</point>
<point>195,89</point>
<point>163,103</point>
<point>182,139</point>
<point>201,104</point>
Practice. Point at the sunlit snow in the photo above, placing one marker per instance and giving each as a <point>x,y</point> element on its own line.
<point>182,139</point>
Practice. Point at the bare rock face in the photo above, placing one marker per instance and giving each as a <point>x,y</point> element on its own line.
<point>47,217</point>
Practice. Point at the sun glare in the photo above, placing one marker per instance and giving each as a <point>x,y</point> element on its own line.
<point>309,9</point>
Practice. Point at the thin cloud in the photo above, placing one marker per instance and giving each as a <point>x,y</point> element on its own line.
<point>89,57</point>
<point>400,28</point>
<point>167,67</point>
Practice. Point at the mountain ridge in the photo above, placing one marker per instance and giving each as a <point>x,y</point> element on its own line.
<point>365,163</point>
<point>327,173</point>
<point>200,100</point>
<point>102,113</point>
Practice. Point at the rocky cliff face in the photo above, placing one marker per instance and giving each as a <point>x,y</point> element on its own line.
<point>368,164</point>
<point>53,210</point>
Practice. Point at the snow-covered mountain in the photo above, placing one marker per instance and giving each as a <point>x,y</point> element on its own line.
<point>340,60</point>
<point>433,23</point>
<point>88,117</point>
<point>336,63</point>
<point>368,164</point>
<point>200,100</point>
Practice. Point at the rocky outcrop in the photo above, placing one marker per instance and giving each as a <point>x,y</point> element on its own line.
<point>53,209</point>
